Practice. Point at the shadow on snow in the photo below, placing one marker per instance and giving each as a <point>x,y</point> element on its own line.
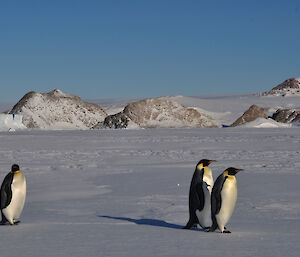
<point>149,222</point>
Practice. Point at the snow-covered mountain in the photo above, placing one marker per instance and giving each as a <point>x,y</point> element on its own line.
<point>288,88</point>
<point>157,113</point>
<point>251,114</point>
<point>226,109</point>
<point>57,110</point>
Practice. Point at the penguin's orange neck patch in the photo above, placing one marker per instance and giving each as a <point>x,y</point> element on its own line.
<point>18,172</point>
<point>200,166</point>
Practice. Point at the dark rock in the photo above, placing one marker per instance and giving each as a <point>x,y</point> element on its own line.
<point>286,115</point>
<point>116,121</point>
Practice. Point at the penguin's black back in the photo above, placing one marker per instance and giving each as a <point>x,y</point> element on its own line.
<point>196,195</point>
<point>6,193</point>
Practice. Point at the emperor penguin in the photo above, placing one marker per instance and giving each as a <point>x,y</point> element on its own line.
<point>199,196</point>
<point>12,196</point>
<point>223,199</point>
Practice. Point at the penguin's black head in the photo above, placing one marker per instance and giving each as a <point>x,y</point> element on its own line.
<point>15,168</point>
<point>233,171</point>
<point>205,162</point>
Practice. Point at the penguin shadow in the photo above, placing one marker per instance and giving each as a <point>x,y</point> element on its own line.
<point>147,222</point>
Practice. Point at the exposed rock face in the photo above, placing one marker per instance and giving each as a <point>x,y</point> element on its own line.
<point>57,110</point>
<point>287,115</point>
<point>157,113</point>
<point>288,87</point>
<point>251,114</point>
<point>116,121</point>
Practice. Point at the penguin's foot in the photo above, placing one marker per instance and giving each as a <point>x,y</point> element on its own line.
<point>190,225</point>
<point>226,232</point>
<point>14,223</point>
<point>212,228</point>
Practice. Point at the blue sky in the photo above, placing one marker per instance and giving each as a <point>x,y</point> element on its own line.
<point>146,48</point>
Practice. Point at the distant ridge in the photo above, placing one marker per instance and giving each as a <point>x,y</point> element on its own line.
<point>287,88</point>
<point>157,113</point>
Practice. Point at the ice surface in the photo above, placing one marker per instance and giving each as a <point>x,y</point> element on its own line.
<point>123,193</point>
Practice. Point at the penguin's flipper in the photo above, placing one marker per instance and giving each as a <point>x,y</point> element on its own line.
<point>5,191</point>
<point>216,200</point>
<point>200,194</point>
<point>195,203</point>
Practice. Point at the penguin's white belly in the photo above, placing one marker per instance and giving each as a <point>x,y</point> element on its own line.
<point>18,187</point>
<point>204,217</point>
<point>208,179</point>
<point>229,197</point>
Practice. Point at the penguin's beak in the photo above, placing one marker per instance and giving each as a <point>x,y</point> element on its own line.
<point>211,161</point>
<point>237,170</point>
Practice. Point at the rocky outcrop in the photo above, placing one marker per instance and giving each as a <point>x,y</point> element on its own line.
<point>286,115</point>
<point>251,114</point>
<point>57,110</point>
<point>288,87</point>
<point>157,113</point>
<point>116,121</point>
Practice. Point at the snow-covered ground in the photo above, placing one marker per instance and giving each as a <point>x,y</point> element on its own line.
<point>124,193</point>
